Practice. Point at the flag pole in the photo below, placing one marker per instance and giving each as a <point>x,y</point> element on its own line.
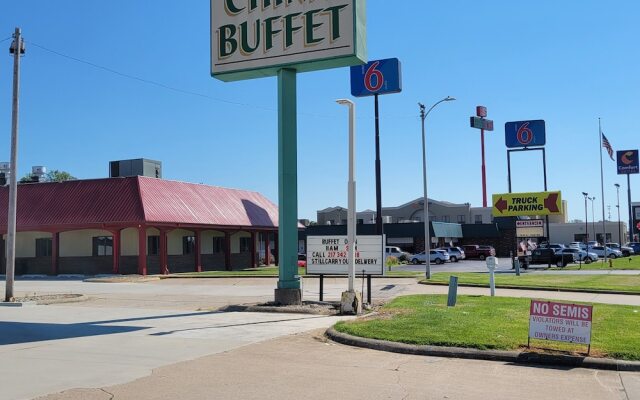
<point>604,231</point>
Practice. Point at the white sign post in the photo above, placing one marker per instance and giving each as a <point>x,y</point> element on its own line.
<point>560,322</point>
<point>492,264</point>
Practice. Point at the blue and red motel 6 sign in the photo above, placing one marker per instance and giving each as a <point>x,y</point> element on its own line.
<point>525,133</point>
<point>376,77</point>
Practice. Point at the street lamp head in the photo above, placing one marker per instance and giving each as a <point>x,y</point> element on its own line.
<point>344,102</point>
<point>449,98</point>
<point>585,194</point>
<point>617,185</point>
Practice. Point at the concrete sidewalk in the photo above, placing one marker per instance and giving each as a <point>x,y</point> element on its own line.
<point>306,366</point>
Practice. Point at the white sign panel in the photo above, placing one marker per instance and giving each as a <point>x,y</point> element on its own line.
<point>560,322</point>
<point>328,255</point>
<point>255,38</point>
<point>529,223</point>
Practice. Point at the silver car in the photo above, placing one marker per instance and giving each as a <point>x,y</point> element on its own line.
<point>455,253</point>
<point>437,256</point>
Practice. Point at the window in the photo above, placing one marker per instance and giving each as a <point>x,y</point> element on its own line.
<point>478,219</point>
<point>245,244</point>
<point>432,218</point>
<point>102,246</point>
<point>218,244</point>
<point>188,245</point>
<point>153,245</point>
<point>360,221</point>
<point>43,247</point>
<point>446,218</point>
<point>461,219</point>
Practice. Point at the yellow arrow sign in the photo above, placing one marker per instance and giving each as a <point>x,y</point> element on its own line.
<point>523,204</point>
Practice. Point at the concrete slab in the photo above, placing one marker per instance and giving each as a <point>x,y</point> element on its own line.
<point>67,347</point>
<point>306,366</point>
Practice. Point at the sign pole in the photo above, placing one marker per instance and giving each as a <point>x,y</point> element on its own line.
<point>484,174</point>
<point>288,291</point>
<point>630,208</point>
<point>378,178</point>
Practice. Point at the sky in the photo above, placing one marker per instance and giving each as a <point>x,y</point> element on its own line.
<point>120,79</point>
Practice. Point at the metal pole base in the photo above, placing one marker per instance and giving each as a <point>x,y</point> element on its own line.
<point>351,303</point>
<point>288,297</point>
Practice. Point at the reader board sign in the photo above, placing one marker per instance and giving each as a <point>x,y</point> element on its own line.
<point>525,133</point>
<point>328,255</point>
<point>376,77</point>
<point>627,162</point>
<point>257,38</point>
<point>527,204</point>
<point>560,322</point>
<point>530,228</point>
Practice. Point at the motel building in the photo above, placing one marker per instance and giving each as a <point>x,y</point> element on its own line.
<point>138,225</point>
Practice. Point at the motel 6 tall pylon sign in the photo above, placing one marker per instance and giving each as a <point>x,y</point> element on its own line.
<point>261,38</point>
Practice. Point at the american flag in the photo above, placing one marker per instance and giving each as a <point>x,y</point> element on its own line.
<point>607,145</point>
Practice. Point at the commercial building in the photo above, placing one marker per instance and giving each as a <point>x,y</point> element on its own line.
<point>138,225</point>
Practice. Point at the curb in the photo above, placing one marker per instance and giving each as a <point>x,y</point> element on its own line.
<point>538,288</point>
<point>515,357</point>
<point>275,276</point>
<point>78,299</point>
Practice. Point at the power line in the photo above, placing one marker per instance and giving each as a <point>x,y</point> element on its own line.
<point>182,91</point>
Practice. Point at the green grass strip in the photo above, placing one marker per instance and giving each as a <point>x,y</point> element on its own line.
<point>620,283</point>
<point>492,323</point>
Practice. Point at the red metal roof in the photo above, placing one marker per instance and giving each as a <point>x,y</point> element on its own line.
<point>187,203</point>
<point>135,200</point>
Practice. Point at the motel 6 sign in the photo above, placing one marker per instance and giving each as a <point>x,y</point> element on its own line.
<point>376,77</point>
<point>525,133</point>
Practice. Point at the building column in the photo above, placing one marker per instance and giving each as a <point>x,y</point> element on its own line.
<point>142,250</point>
<point>197,248</point>
<point>116,251</point>
<point>253,250</point>
<point>55,252</point>
<point>164,258</point>
<point>267,248</point>
<point>276,248</point>
<point>227,251</point>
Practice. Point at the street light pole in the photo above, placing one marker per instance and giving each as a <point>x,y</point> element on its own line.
<point>593,217</point>
<point>351,215</point>
<point>619,221</point>
<point>586,222</point>
<point>425,219</point>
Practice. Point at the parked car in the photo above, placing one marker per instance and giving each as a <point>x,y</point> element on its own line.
<point>635,246</point>
<point>455,253</point>
<point>581,255</point>
<point>396,252</point>
<point>547,256</point>
<point>600,251</point>
<point>555,246</point>
<point>436,256</point>
<point>575,245</point>
<point>625,250</point>
<point>476,251</point>
<point>302,260</point>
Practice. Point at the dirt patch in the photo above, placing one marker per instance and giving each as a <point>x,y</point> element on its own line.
<point>46,299</point>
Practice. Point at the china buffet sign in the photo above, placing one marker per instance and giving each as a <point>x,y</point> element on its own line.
<point>255,38</point>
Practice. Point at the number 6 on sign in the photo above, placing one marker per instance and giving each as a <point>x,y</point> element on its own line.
<point>376,77</point>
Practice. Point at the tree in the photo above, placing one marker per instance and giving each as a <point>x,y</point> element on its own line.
<point>59,176</point>
<point>51,176</point>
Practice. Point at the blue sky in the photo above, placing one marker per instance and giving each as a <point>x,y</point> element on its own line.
<point>566,62</point>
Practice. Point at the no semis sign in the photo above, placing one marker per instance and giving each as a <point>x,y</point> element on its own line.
<point>560,322</point>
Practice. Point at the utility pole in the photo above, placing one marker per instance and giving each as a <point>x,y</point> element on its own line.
<point>17,49</point>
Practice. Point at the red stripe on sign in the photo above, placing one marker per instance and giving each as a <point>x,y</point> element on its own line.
<point>561,310</point>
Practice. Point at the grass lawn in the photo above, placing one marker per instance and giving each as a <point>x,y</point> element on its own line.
<point>271,271</point>
<point>623,283</point>
<point>625,263</point>
<point>262,271</point>
<point>492,323</point>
